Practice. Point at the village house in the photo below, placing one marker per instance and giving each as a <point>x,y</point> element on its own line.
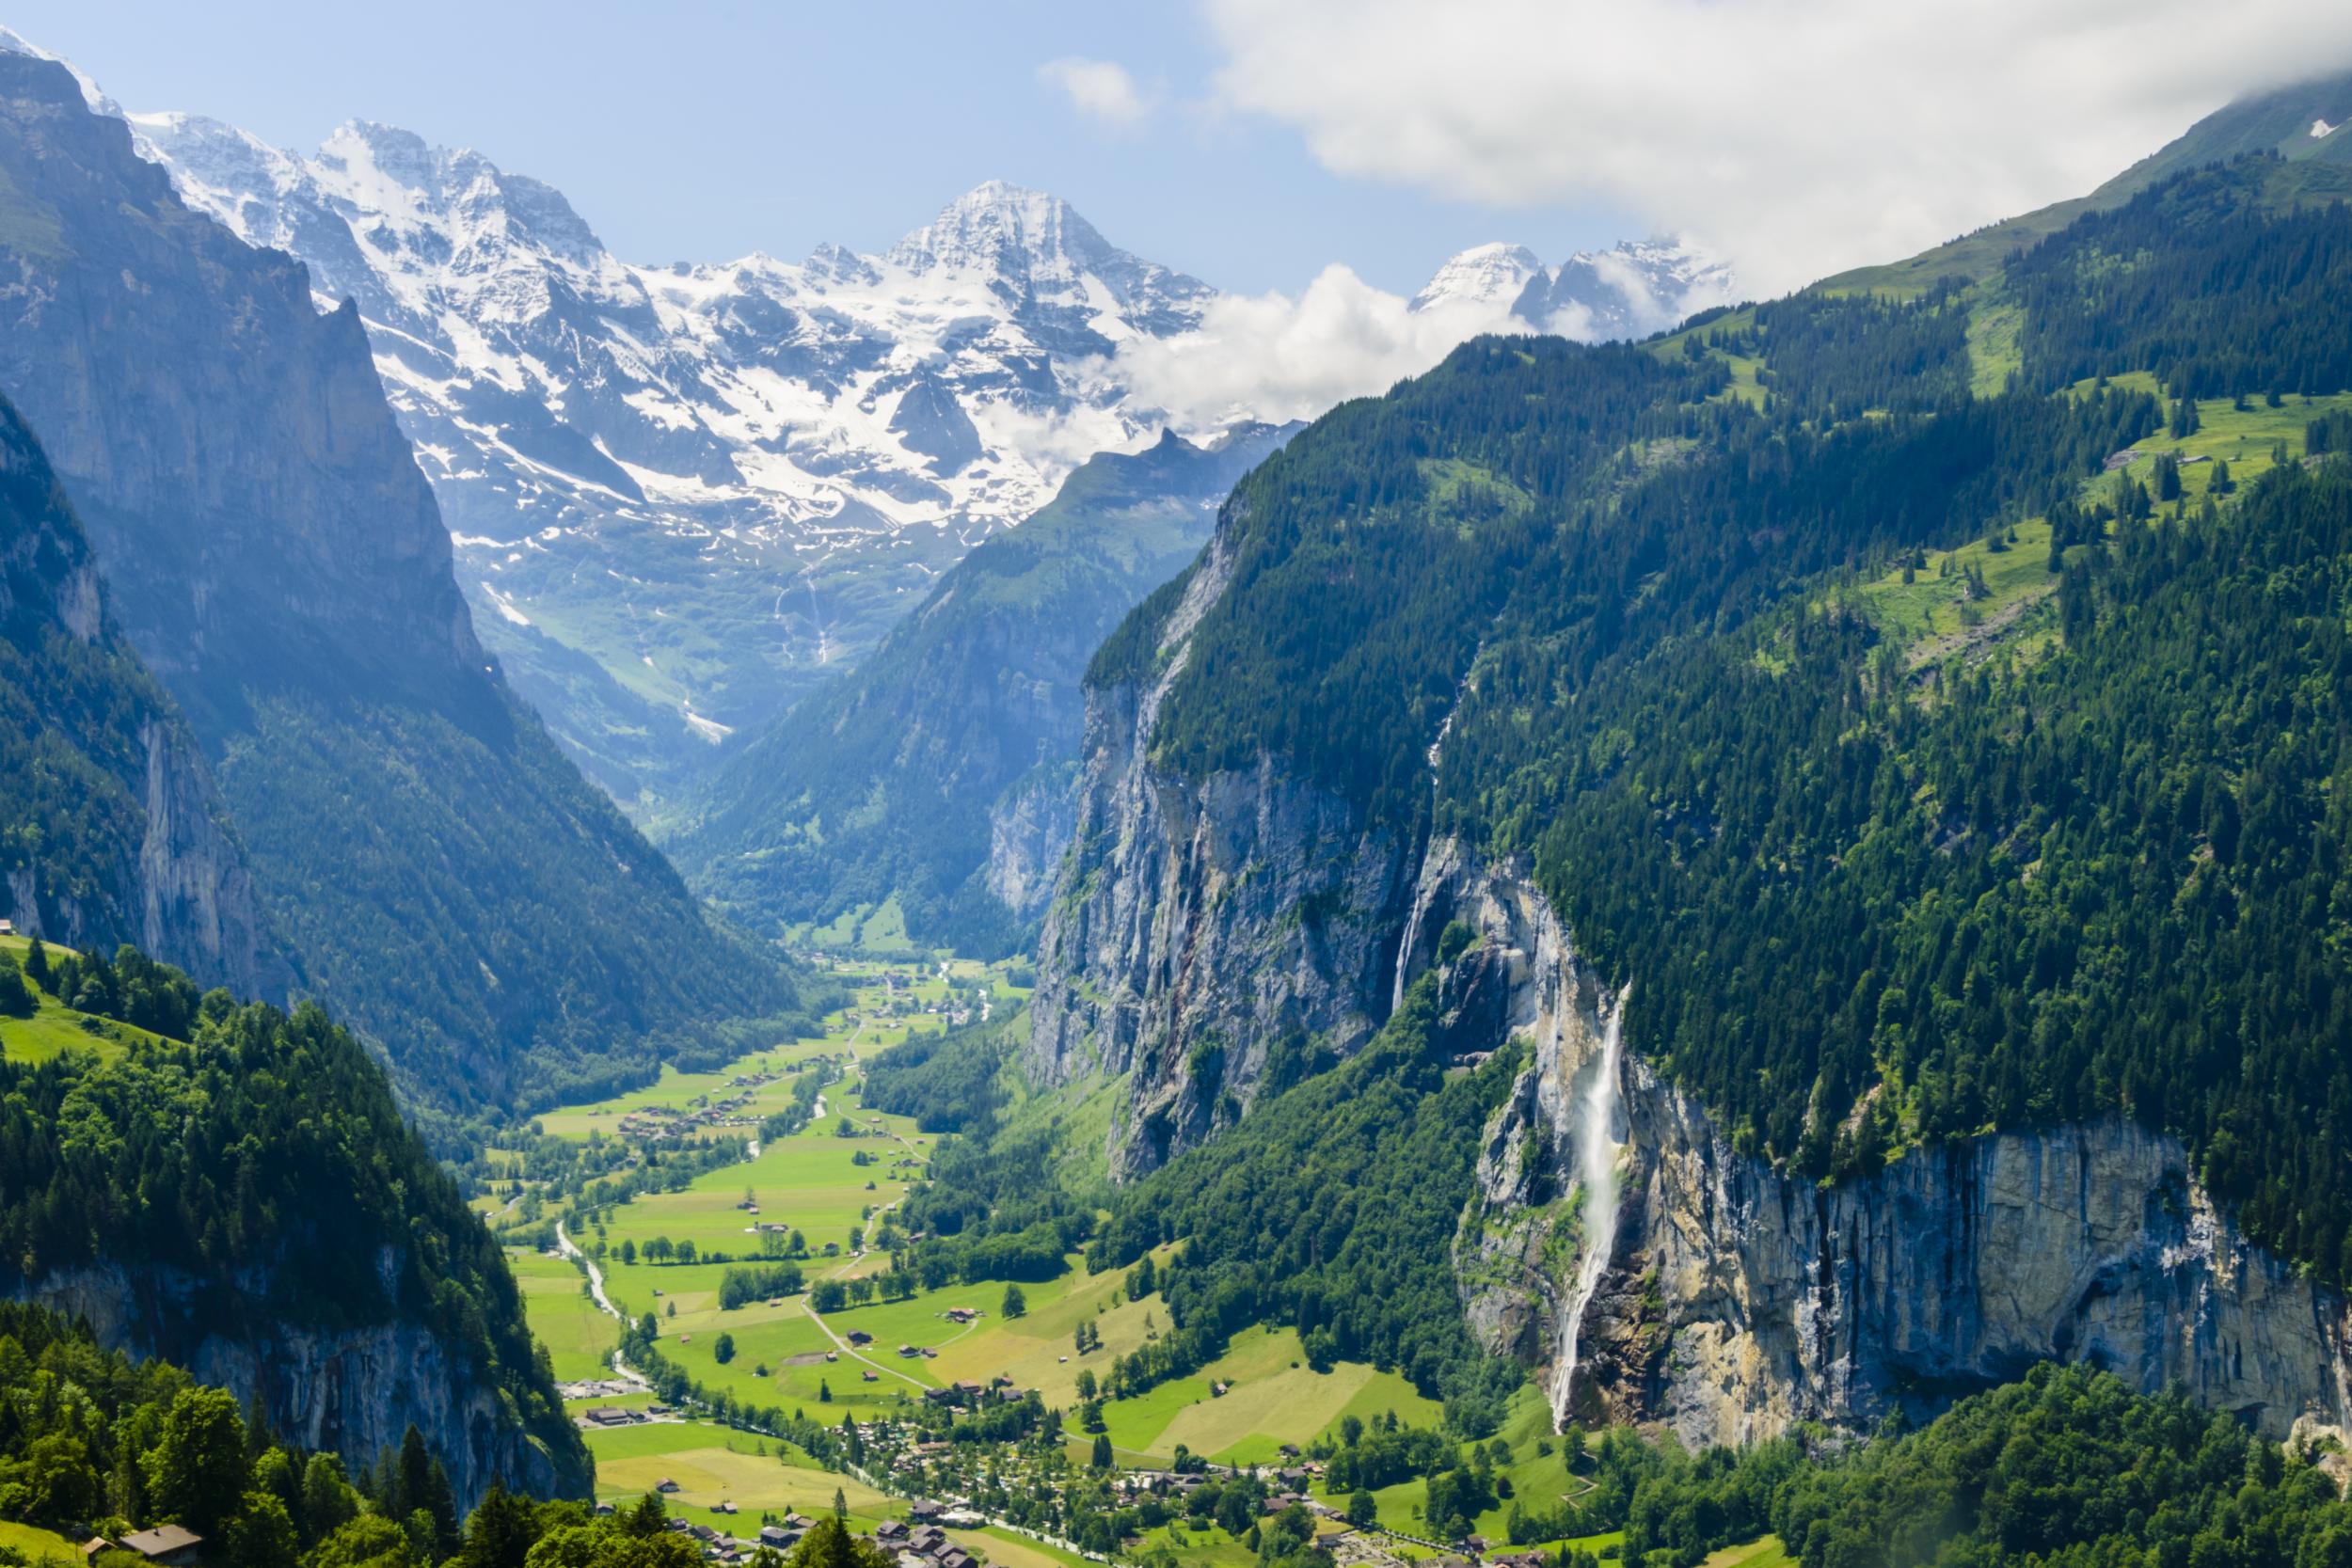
<point>172,1546</point>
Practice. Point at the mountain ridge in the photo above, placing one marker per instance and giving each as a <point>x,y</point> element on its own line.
<point>444,874</point>
<point>791,451</point>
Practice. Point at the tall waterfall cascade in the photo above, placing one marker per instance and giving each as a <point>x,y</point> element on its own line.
<point>1596,1120</point>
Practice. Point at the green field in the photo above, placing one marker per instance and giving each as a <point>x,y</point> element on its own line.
<point>713,1464</point>
<point>809,1181</point>
<point>1536,1477</point>
<point>1271,1398</point>
<point>579,1336</point>
<point>783,1355</point>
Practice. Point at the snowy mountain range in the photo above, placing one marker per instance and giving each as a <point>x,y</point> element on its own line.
<point>1631,290</point>
<point>682,496</point>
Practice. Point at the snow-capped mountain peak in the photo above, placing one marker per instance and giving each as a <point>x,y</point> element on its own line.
<point>1631,290</point>
<point>717,481</point>
<point>1030,248</point>
<point>681,495</point>
<point>1001,226</point>
<point>1494,274</point>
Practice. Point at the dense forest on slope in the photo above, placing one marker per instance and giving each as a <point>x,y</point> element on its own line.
<point>2089,869</point>
<point>884,781</point>
<point>1371,547</point>
<point>447,881</point>
<point>262,1157</point>
<point>92,1440</point>
<point>947,1080</point>
<point>2109,881</point>
<point>2067,1468</point>
<point>473,906</point>
<point>1332,1207</point>
<point>95,1442</point>
<point>2196,284</point>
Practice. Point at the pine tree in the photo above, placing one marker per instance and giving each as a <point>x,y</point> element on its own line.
<point>499,1534</point>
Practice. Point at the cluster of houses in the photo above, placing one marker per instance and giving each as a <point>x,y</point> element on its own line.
<point>922,1545</point>
<point>603,1416</point>
<point>918,1542</point>
<point>721,1548</point>
<point>970,1395</point>
<point>701,1113</point>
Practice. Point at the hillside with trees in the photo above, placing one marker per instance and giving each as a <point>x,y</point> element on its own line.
<point>238,1175</point>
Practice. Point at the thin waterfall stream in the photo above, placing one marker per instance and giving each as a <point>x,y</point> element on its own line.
<point>1596,1171</point>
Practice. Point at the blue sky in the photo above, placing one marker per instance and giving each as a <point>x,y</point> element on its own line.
<point>704,131</point>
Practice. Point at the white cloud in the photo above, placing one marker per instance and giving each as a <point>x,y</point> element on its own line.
<point>1270,356</point>
<point>1100,89</point>
<point>1796,137</point>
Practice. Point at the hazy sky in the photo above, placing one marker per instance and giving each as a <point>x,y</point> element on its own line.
<point>702,131</point>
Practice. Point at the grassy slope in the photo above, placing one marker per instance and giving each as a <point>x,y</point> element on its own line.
<point>39,1546</point>
<point>1929,617</point>
<point>1272,1398</point>
<point>54,1030</point>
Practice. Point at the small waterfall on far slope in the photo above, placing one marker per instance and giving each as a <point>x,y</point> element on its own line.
<point>1596,1171</point>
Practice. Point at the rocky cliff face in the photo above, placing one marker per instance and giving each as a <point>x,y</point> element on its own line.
<point>197,905</point>
<point>1197,924</point>
<point>1738,1301</point>
<point>354,1391</point>
<point>1743,1301</point>
<point>1029,829</point>
<point>312,554</point>
<point>118,834</point>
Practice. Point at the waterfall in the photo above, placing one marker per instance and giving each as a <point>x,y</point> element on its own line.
<point>1422,896</point>
<point>1596,1172</point>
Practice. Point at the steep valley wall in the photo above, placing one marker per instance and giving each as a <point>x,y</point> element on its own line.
<point>1737,1300</point>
